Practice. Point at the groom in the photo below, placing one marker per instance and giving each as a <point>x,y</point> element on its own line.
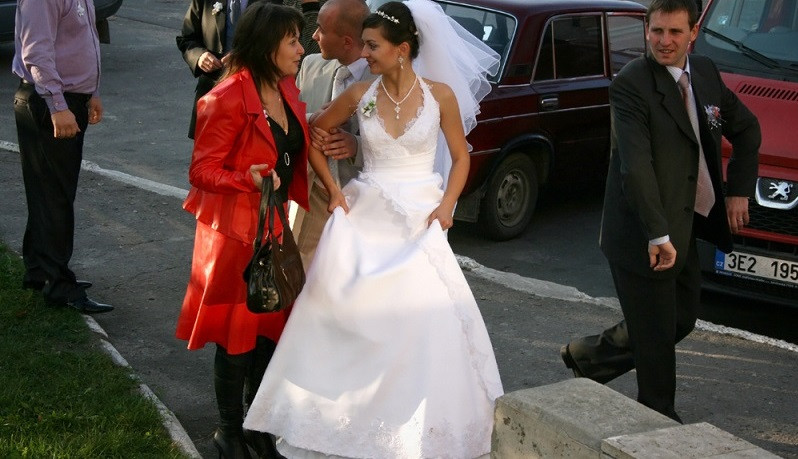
<point>321,78</point>
<point>664,190</point>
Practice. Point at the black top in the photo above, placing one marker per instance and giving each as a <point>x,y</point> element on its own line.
<point>288,148</point>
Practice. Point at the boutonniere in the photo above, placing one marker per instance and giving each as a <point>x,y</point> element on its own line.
<point>217,7</point>
<point>713,116</point>
<point>368,108</point>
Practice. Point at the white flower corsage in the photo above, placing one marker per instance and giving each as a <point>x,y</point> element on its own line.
<point>217,7</point>
<point>368,108</point>
<point>713,116</point>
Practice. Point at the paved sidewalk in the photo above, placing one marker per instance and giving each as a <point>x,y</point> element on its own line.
<point>135,245</point>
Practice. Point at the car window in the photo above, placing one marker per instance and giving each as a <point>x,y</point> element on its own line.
<point>492,28</point>
<point>571,47</point>
<point>759,30</point>
<point>627,39</point>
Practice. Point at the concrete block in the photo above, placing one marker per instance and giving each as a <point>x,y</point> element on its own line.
<point>568,419</point>
<point>692,441</point>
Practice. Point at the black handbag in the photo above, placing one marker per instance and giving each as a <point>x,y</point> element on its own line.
<point>275,274</point>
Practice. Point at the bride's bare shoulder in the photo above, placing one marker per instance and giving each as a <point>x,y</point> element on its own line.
<point>440,91</point>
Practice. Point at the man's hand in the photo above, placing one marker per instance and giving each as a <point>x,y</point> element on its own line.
<point>336,144</point>
<point>64,124</point>
<point>662,257</point>
<point>737,212</point>
<point>95,110</point>
<point>208,62</point>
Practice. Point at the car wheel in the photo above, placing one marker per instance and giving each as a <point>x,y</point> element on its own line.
<point>510,199</point>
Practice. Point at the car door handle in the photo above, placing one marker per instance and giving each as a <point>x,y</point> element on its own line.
<point>549,102</point>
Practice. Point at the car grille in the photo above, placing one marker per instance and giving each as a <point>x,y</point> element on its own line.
<point>765,245</point>
<point>773,220</point>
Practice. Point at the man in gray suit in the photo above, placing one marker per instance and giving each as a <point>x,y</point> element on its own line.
<point>340,23</point>
<point>665,189</point>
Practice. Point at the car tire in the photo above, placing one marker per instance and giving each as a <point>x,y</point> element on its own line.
<point>510,198</point>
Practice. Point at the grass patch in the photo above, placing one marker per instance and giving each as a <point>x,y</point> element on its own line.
<point>60,394</point>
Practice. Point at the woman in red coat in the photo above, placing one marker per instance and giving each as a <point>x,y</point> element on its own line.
<point>251,124</point>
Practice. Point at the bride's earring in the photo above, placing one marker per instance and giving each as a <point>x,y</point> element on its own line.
<point>401,63</point>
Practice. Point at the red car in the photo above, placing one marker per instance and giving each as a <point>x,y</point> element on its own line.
<point>754,43</point>
<point>547,118</point>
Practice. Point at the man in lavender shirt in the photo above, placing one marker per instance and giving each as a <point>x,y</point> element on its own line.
<point>57,57</point>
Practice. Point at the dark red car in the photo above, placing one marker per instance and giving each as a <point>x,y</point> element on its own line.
<point>547,119</point>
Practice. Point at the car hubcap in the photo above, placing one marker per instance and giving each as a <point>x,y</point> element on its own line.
<point>512,197</point>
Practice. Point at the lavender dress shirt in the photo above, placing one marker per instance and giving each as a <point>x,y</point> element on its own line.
<point>57,48</point>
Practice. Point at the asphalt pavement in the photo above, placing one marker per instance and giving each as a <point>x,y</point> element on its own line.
<point>134,242</point>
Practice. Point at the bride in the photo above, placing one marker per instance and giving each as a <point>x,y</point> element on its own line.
<point>385,354</point>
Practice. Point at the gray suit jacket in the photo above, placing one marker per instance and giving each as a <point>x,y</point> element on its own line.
<point>314,80</point>
<point>651,182</point>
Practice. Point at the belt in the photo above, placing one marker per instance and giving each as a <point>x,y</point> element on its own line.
<point>25,82</point>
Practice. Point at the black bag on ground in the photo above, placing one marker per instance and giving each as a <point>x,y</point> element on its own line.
<point>274,275</point>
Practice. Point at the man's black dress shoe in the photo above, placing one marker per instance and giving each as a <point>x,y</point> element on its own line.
<point>39,285</point>
<point>570,362</point>
<point>88,306</point>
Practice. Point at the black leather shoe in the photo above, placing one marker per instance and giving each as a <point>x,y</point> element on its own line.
<point>230,446</point>
<point>570,362</point>
<point>39,285</point>
<point>88,306</point>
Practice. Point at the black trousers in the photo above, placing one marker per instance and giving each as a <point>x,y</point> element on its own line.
<point>658,313</point>
<point>50,169</point>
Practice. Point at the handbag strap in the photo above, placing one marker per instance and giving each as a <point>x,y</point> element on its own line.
<point>269,203</point>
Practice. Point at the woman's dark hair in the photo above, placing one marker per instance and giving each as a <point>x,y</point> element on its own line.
<point>257,37</point>
<point>404,31</point>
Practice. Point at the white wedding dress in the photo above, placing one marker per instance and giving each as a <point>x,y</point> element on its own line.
<point>385,354</point>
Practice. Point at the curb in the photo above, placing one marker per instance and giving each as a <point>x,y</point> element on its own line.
<point>168,418</point>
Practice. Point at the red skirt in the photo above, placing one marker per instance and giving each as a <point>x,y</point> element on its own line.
<point>214,309</point>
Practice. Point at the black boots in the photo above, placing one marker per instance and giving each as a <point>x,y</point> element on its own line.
<point>229,372</point>
<point>237,378</point>
<point>261,442</point>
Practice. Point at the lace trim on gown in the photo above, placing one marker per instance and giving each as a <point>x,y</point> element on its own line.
<point>457,287</point>
<point>381,442</point>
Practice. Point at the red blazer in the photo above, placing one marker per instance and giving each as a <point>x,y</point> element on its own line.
<point>232,134</point>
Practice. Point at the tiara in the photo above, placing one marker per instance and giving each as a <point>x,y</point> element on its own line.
<point>388,17</point>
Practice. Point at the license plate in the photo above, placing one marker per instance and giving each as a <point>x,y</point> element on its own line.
<point>757,266</point>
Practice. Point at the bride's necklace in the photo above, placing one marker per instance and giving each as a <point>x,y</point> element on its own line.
<point>397,109</point>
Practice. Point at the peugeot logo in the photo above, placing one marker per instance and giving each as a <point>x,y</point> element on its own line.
<point>776,193</point>
<point>781,190</point>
